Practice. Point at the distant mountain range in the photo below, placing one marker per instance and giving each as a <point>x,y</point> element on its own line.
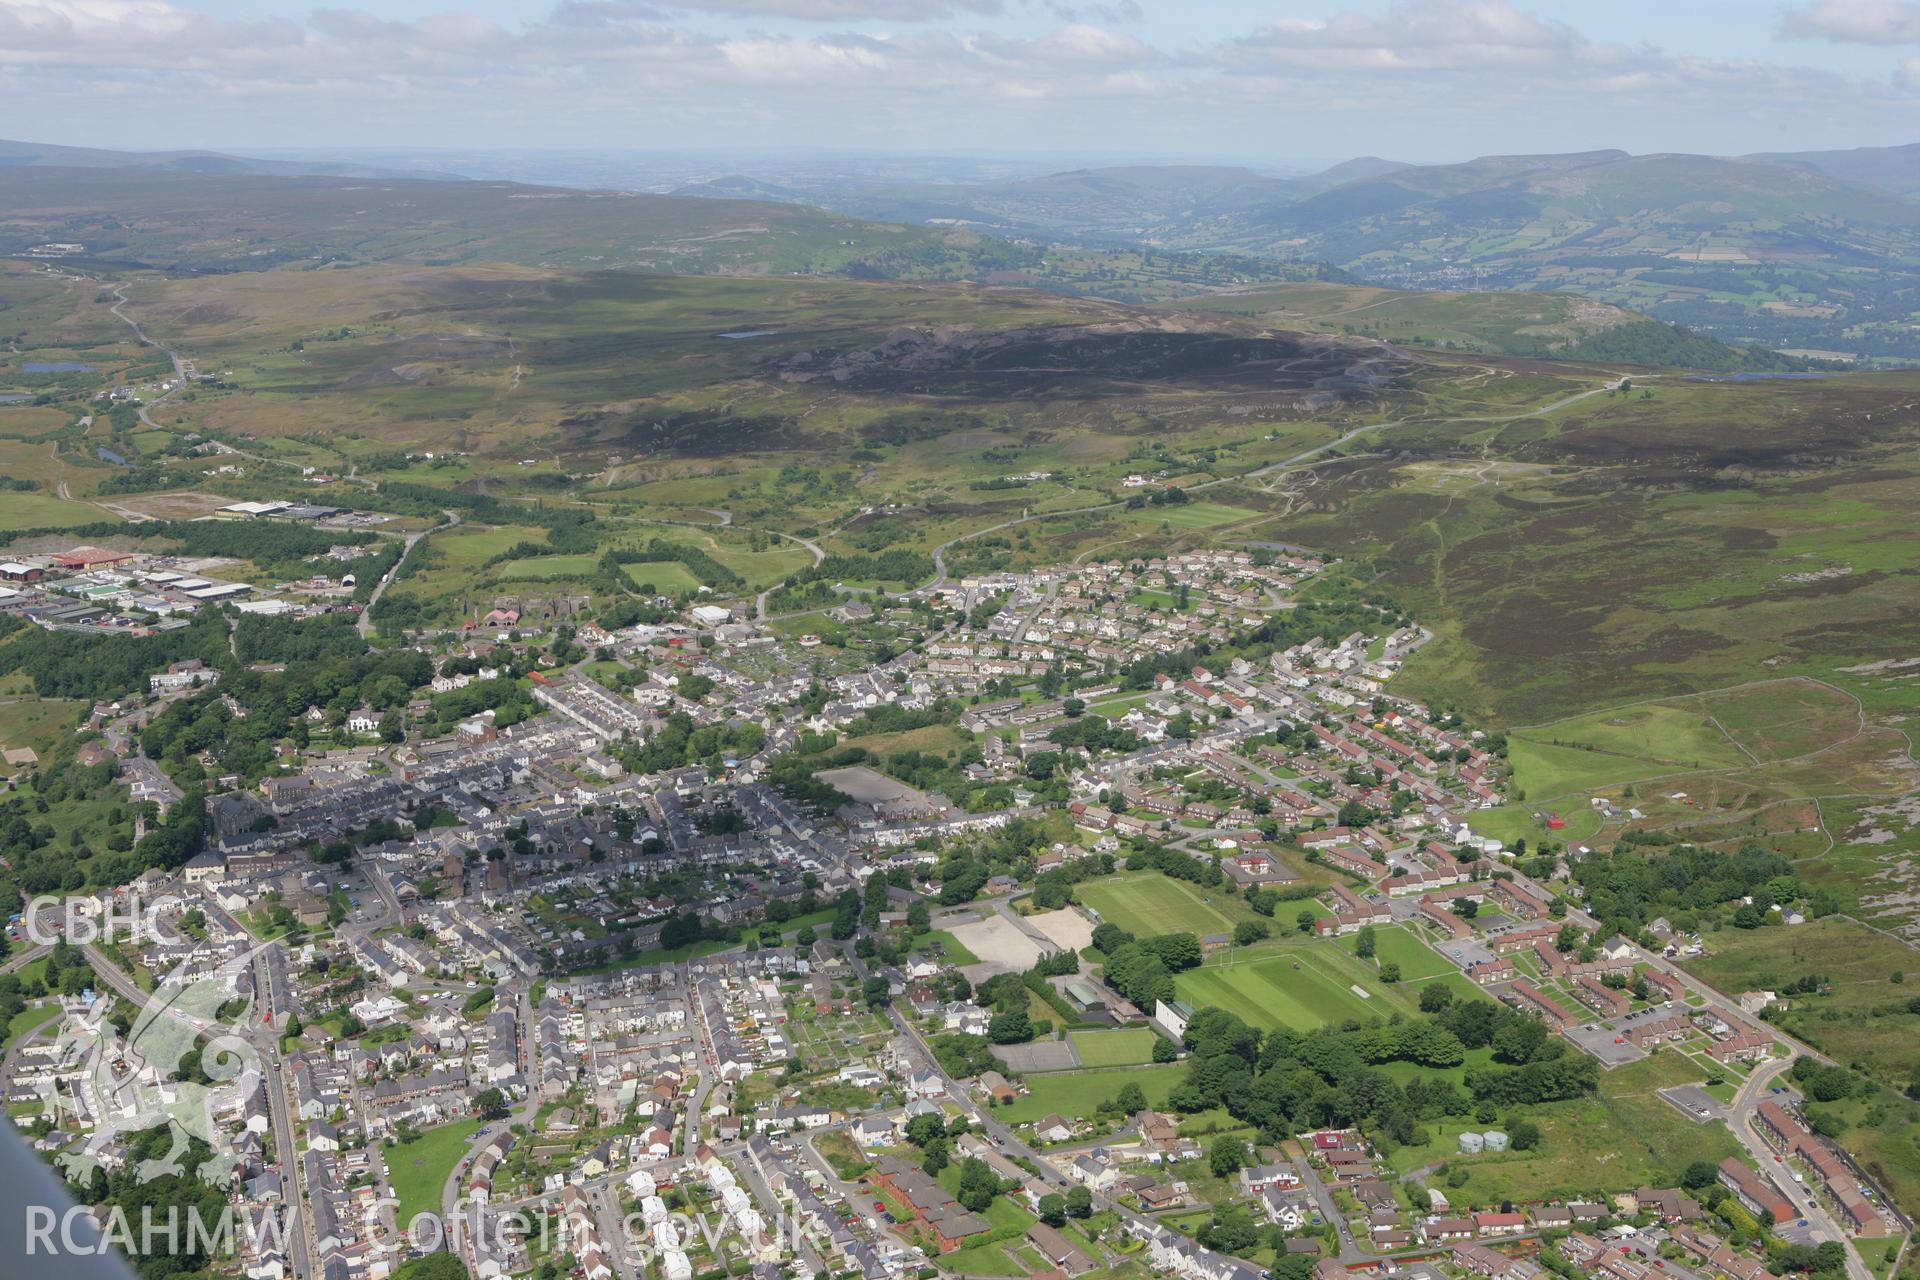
<point>1815,250</point>
<point>20,155</point>
<point>184,213</point>
<point>1890,169</point>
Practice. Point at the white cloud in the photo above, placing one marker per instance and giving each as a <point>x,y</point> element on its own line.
<point>1460,57</point>
<point>914,72</point>
<point>1418,35</point>
<point>810,62</point>
<point>1076,45</point>
<point>1112,14</point>
<point>845,10</point>
<point>1885,22</point>
<point>457,50</point>
<point>1083,42</point>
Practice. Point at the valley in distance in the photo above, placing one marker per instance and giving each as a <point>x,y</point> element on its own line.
<point>951,721</point>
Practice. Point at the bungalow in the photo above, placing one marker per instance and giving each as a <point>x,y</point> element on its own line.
<point>1552,1217</point>
<point>996,1087</point>
<point>1058,1250</point>
<point>1438,1230</point>
<point>1155,1196</point>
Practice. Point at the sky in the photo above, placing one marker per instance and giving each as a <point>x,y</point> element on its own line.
<point>1265,83</point>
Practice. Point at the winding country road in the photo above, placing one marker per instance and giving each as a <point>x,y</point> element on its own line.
<point>1740,1114</point>
<point>183,369</point>
<point>180,364</point>
<point>364,624</point>
<point>760,601</point>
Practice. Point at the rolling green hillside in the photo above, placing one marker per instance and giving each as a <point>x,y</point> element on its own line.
<point>24,155</point>
<point>1129,204</point>
<point>1566,325</point>
<point>1891,169</point>
<point>1817,252</point>
<point>202,222</point>
<point>192,221</point>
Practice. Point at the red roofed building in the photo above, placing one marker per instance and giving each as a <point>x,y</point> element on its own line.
<point>1539,1003</point>
<point>1602,998</point>
<point>91,558</point>
<point>1754,1191</point>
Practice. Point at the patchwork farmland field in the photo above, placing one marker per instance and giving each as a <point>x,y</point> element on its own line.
<point>1780,720</point>
<point>1678,733</point>
<point>1768,723</point>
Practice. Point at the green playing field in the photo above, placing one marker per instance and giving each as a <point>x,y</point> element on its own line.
<point>1150,903</point>
<point>1285,990</point>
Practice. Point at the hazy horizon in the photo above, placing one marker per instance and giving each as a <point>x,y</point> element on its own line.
<point>1271,85</point>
